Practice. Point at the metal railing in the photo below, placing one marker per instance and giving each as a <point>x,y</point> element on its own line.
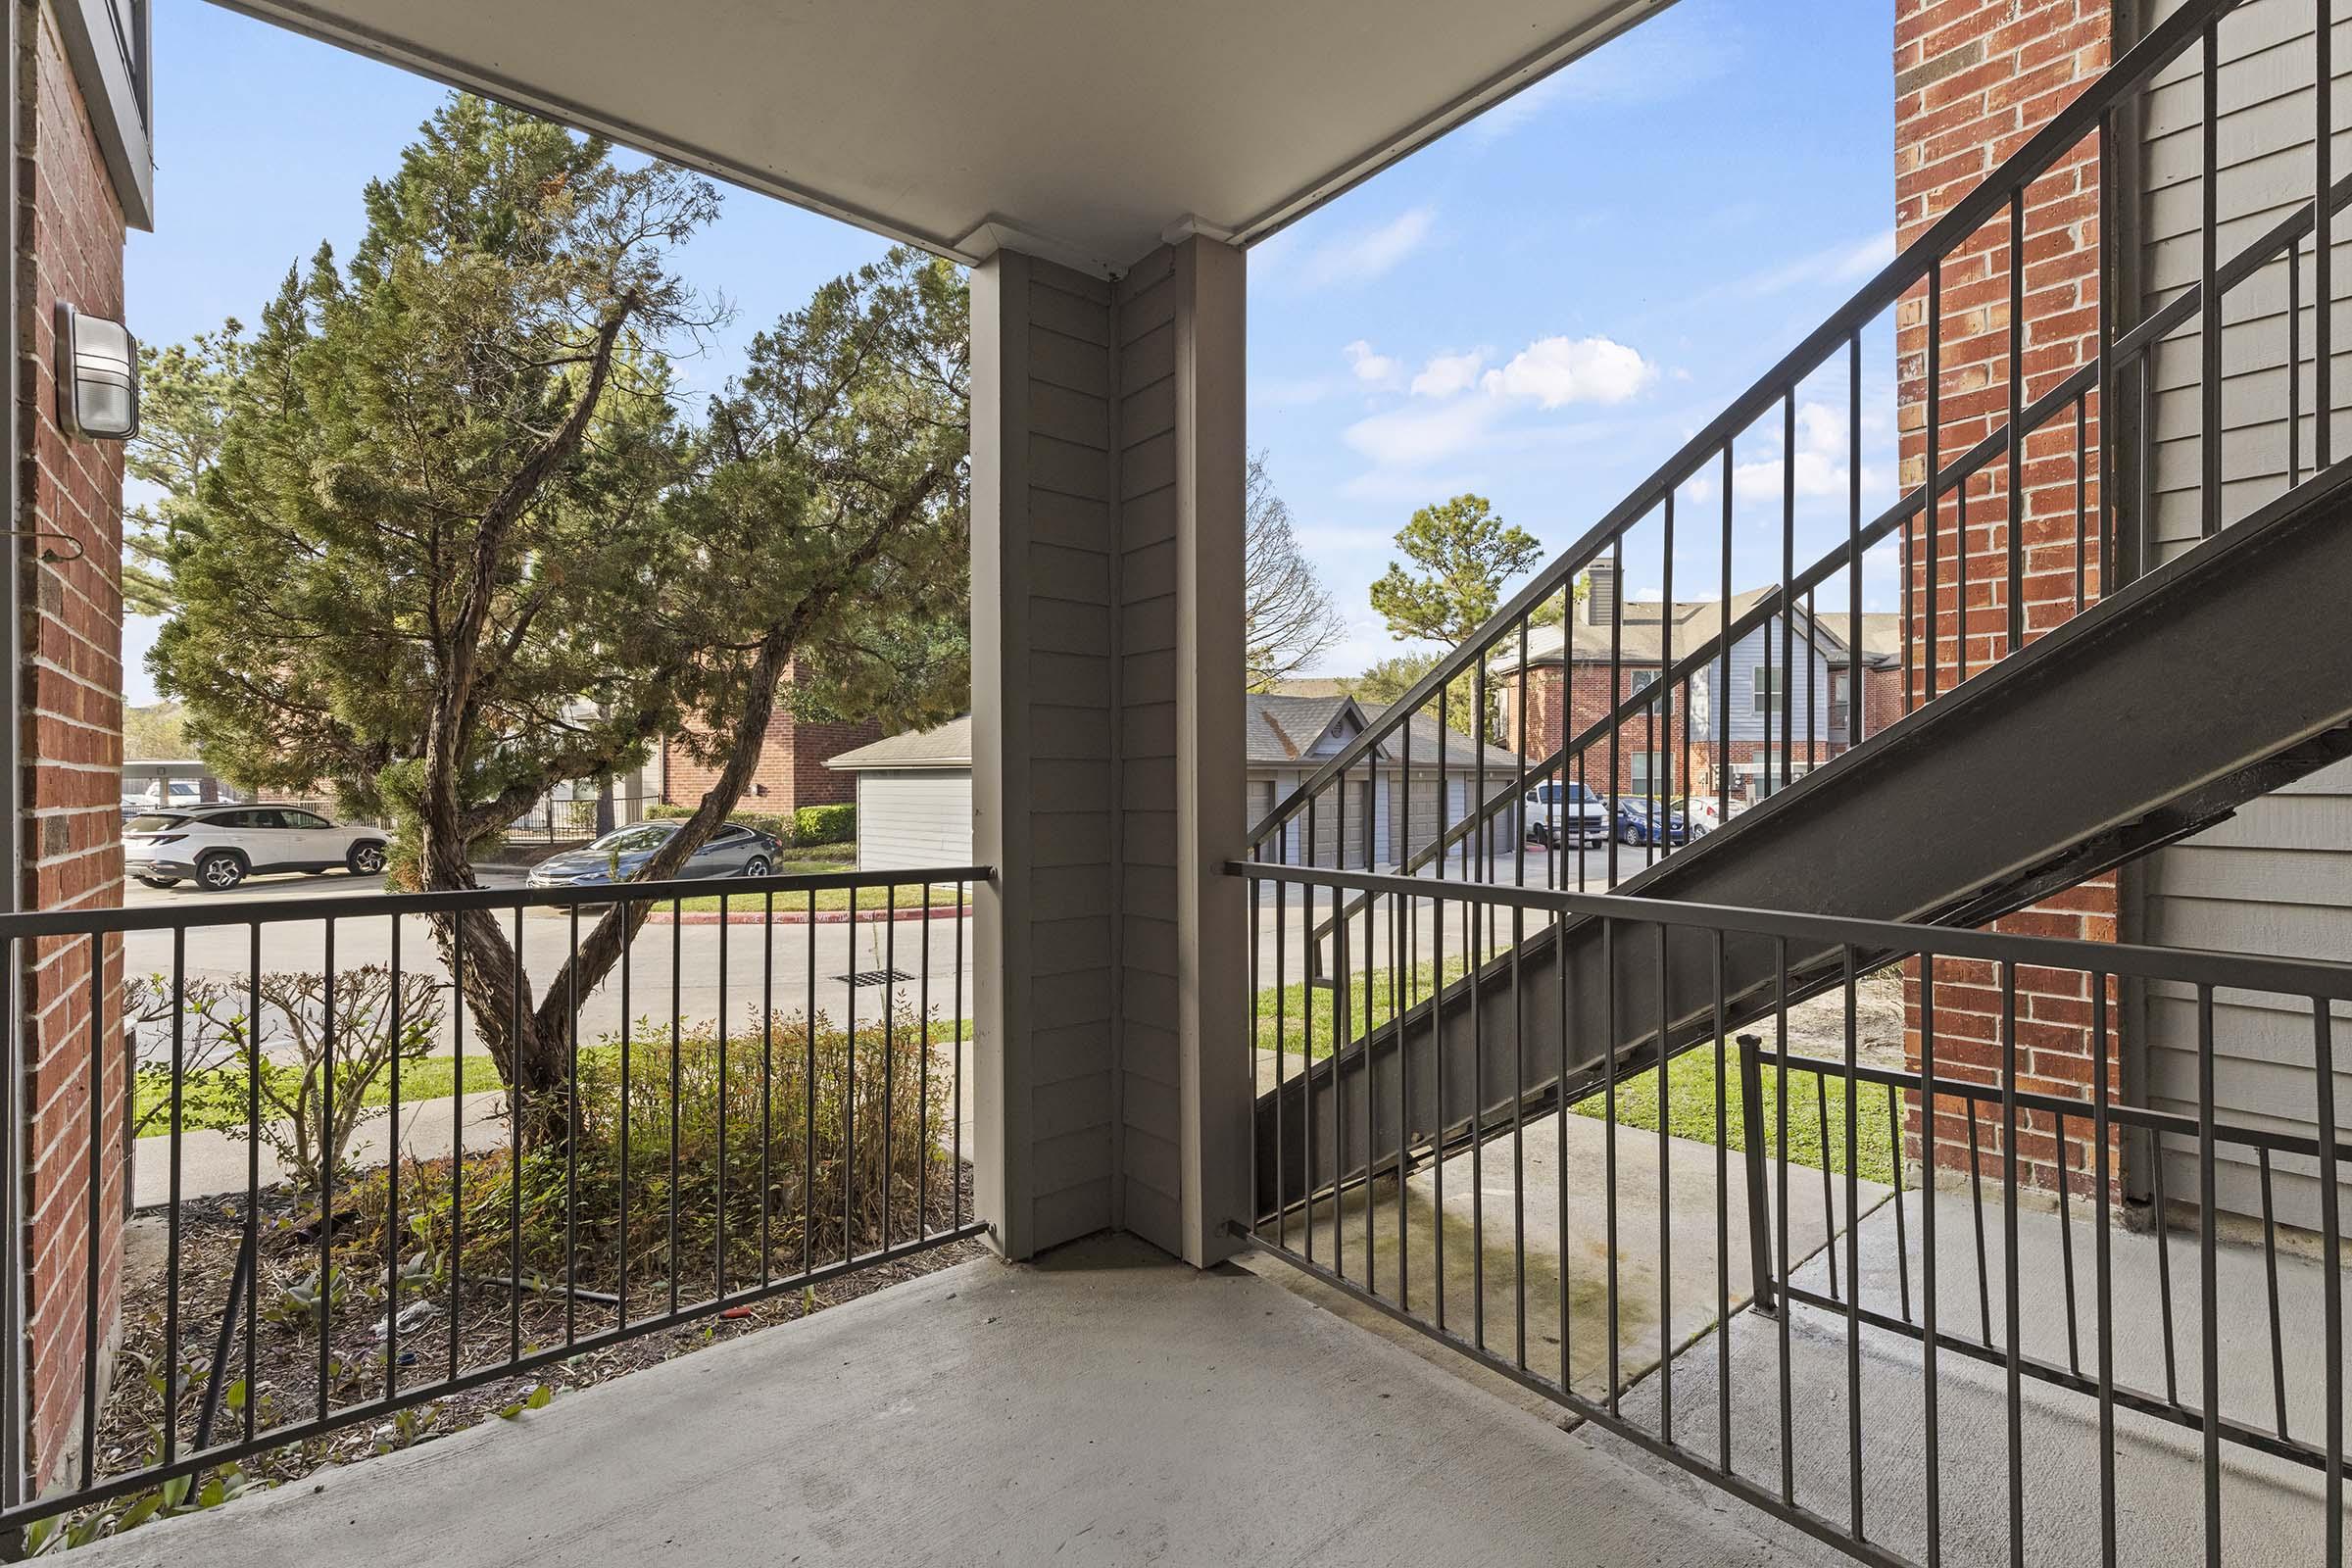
<point>364,1200</point>
<point>1747,663</point>
<point>1644,1259</point>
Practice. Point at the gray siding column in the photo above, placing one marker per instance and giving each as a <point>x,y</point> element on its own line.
<point>1044,769</point>
<point>1110,952</point>
<point>1186,1089</point>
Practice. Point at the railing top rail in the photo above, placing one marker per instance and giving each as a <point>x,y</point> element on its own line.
<point>2248,971</point>
<point>2158,48</point>
<point>346,906</point>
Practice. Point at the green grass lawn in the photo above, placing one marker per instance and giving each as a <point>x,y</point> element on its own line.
<point>909,895</point>
<point>420,1082</point>
<point>1691,1112</point>
<point>1305,1023</point>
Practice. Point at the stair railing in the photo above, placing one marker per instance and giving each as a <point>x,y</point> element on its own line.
<point>1669,680</point>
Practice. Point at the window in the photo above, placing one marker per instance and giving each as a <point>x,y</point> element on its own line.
<point>1649,773</point>
<point>304,820</point>
<point>1644,680</point>
<point>1771,684</point>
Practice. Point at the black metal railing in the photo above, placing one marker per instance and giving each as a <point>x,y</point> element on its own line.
<point>1772,1259</point>
<point>370,1187</point>
<point>1724,693</point>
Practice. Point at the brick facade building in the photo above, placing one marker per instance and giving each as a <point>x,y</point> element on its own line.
<point>1974,81</point>
<point>791,773</point>
<point>82,175</point>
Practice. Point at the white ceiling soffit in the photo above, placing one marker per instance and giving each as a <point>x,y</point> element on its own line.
<point>1081,129</point>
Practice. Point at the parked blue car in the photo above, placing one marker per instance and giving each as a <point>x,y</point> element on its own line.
<point>1650,822</point>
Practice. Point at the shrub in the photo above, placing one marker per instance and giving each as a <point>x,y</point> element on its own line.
<point>768,1151</point>
<point>824,824</point>
<point>314,1067</point>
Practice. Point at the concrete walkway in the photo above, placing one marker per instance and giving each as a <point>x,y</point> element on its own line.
<point>213,1163</point>
<point>1660,1305</point>
<point>2273,1510</point>
<point>1107,1406</point>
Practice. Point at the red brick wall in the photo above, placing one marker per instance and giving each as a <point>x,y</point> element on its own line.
<point>70,228</point>
<point>791,773</point>
<point>1973,79</point>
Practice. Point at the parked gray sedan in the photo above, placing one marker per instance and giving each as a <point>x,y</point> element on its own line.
<point>621,856</point>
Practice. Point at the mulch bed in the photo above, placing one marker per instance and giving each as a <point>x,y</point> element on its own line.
<point>489,1318</point>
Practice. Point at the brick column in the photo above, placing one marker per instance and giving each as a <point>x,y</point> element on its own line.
<point>1974,81</point>
<point>70,233</point>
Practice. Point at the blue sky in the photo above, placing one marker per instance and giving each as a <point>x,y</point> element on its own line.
<point>1539,308</point>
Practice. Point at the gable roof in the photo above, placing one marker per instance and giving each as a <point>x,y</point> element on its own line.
<point>1642,626</point>
<point>1277,731</point>
<point>948,746</point>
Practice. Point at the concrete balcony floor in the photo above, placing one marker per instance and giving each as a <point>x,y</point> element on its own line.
<point>1106,1405</point>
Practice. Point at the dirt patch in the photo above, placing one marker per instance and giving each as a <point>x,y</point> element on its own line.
<point>492,1324</point>
<point>1817,1026</point>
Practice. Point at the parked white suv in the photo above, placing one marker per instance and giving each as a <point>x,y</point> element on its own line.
<point>1556,812</point>
<point>221,846</point>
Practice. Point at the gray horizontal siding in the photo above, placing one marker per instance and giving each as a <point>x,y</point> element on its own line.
<point>2275,879</point>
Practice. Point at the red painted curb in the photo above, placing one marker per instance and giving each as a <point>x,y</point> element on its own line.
<point>940,911</point>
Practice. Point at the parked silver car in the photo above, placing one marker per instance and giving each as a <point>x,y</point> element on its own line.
<point>621,856</point>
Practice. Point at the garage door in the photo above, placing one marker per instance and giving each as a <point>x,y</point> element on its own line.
<point>921,818</point>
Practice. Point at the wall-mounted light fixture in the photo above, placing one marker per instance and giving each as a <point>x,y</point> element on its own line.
<point>97,376</point>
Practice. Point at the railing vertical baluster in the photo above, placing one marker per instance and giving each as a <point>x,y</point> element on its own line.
<point>514,1136</point>
<point>1931,501</point>
<point>2012,1316</point>
<point>622,1222</point>
<point>960,917</point>
<point>1282,986</point>
<point>180,1064</point>
<point>2066,1248</point>
<point>1853,1252</point>
<point>1437,1039</point>
<point>1609,1134</point>
<point>2269,1270</point>
<point>1719,722</point>
<point>2209,1330</point>
<point>2332,1245</point>
<point>2102,1132</point>
<point>2110,280</point>
<point>1559,1123</point>
<point>1788,617</point>
<point>2016,531</point>
<point>95,1098</point>
<point>890,1010</point>
<point>1310,957</point>
<point>2294,363</point>
<point>678,1048</point>
<point>2209,418</point>
<point>1960,606</point>
<point>327,1181</point>
<point>1975,1192</point>
<point>253,1173</point>
<point>849,1093</point>
<point>1723,1207</point>
<point>1930,1436</point>
<point>1829,1202</point>
<point>571,1122</point>
<point>1902,1238</point>
<point>456,1150</point>
<point>2081,497</point>
<point>1780,1128</point>
<point>1856,726</point>
<point>2322,258</point>
<point>391,1188</point>
<point>809,1090</point>
<point>1665,1200</point>
<point>768,1073</point>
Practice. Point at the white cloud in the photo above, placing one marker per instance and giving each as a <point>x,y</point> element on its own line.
<point>1447,373</point>
<point>1364,254</point>
<point>1821,468</point>
<point>1556,370</point>
<point>1371,368</point>
<point>1416,436</point>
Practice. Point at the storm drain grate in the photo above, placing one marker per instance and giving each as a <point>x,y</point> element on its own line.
<point>876,977</point>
